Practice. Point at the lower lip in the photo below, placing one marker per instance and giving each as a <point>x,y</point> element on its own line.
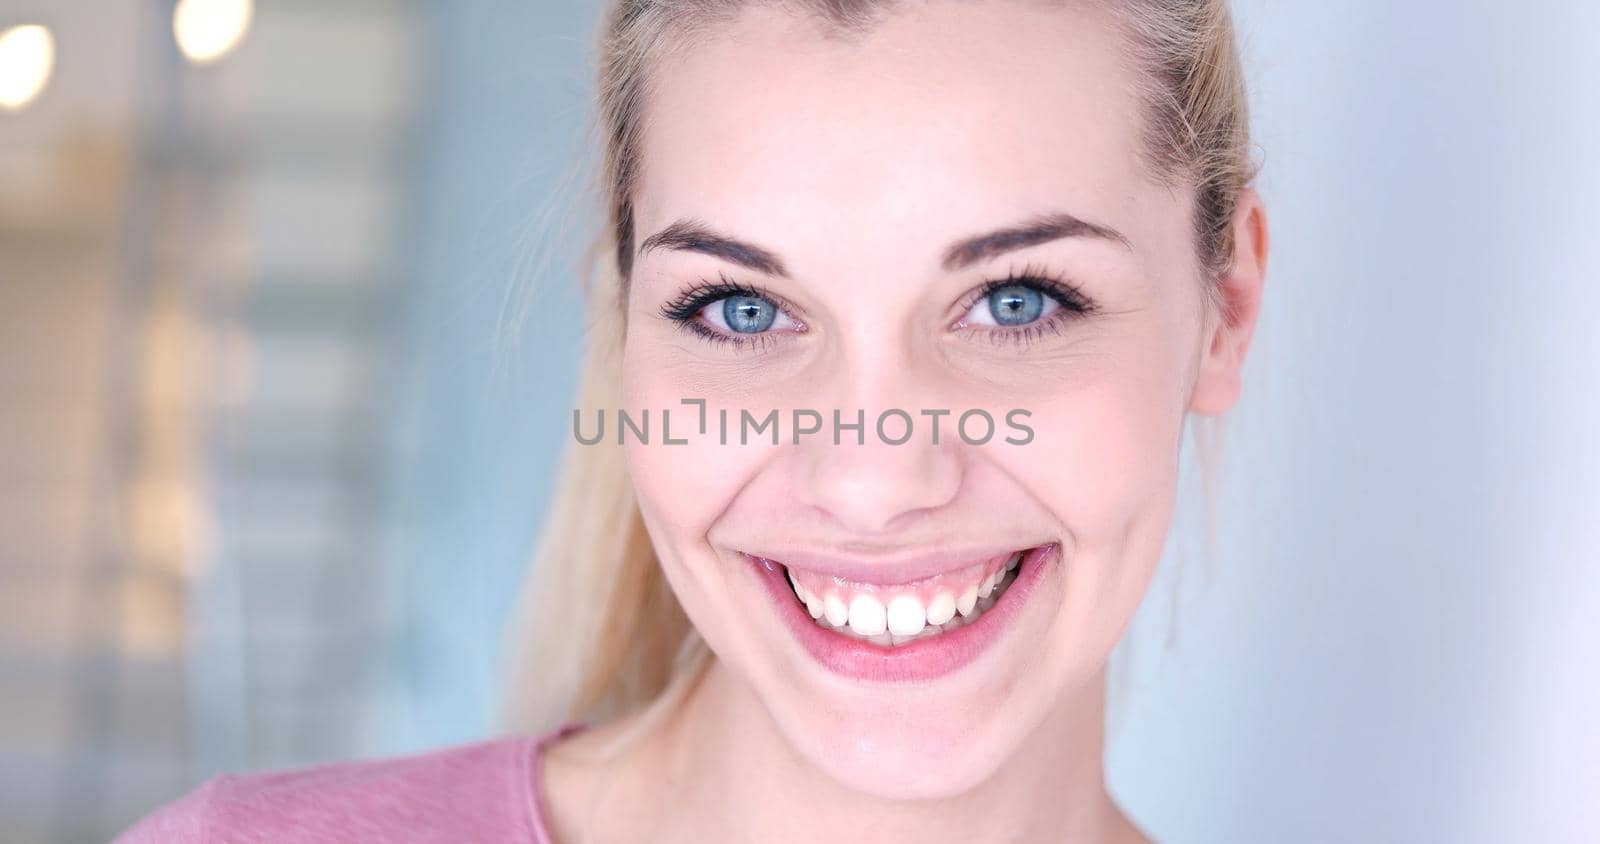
<point>918,661</point>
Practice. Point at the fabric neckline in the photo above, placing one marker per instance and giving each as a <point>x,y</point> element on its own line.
<point>538,806</point>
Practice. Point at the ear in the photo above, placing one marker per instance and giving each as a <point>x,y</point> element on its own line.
<point>1228,333</point>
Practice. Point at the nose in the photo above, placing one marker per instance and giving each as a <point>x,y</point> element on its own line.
<point>885,476</point>
<point>877,488</point>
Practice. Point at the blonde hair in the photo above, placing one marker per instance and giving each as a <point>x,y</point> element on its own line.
<point>598,631</point>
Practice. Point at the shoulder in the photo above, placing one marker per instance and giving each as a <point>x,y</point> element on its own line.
<point>474,792</point>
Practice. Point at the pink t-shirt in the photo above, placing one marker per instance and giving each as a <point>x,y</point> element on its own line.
<point>487,791</point>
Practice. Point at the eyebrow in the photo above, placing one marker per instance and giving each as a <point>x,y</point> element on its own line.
<point>688,235</point>
<point>693,236</point>
<point>1042,229</point>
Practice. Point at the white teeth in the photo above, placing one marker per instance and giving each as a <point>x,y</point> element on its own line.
<point>904,620</point>
<point>967,601</point>
<point>813,604</point>
<point>867,616</point>
<point>838,614</point>
<point>906,616</point>
<point>926,632</point>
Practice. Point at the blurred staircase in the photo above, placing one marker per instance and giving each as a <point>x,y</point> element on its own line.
<point>202,280</point>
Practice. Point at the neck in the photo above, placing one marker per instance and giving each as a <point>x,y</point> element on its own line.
<point>720,757</point>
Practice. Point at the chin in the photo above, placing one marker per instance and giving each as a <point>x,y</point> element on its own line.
<point>907,755</point>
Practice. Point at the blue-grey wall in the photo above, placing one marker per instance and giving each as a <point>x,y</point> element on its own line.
<point>492,406</point>
<point>1397,641</point>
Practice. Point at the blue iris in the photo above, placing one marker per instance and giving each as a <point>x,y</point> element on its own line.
<point>748,314</point>
<point>1016,304</point>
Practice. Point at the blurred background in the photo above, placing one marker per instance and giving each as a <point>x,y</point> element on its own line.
<point>288,332</point>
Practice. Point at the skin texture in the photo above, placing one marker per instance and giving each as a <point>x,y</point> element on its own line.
<point>858,162</point>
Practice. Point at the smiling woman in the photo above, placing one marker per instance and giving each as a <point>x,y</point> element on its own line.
<point>913,206</point>
<point>844,208</point>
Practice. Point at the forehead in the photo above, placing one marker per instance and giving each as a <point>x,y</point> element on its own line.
<point>943,119</point>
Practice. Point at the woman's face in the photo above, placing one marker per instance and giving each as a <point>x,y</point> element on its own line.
<point>950,213</point>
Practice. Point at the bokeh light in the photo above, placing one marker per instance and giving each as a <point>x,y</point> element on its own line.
<point>27,56</point>
<point>208,29</point>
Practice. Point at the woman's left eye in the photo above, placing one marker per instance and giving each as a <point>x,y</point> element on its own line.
<point>1010,305</point>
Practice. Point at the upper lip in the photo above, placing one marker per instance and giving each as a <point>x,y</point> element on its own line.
<point>891,567</point>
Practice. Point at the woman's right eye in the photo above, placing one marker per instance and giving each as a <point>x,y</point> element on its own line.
<point>729,313</point>
<point>742,314</point>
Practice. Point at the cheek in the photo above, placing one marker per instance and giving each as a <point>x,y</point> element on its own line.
<point>686,474</point>
<point>1104,462</point>
<point>682,489</point>
<point>1102,450</point>
<point>1109,439</point>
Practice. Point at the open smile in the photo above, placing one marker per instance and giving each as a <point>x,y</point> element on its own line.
<point>903,631</point>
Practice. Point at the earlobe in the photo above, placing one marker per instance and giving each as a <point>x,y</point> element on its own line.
<point>1219,382</point>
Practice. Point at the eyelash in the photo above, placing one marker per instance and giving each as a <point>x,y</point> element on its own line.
<point>684,307</point>
<point>1074,304</point>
